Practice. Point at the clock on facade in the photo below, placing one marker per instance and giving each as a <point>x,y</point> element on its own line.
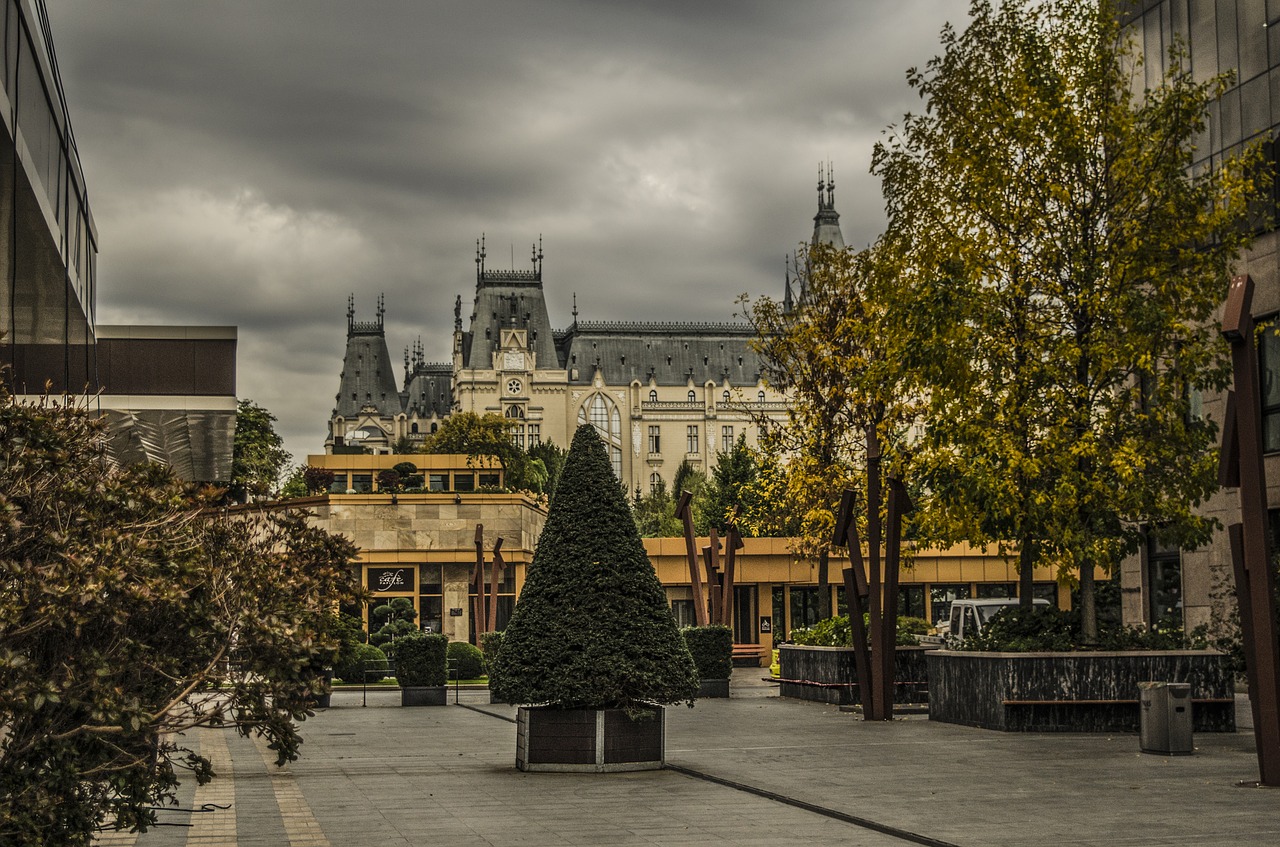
<point>514,386</point>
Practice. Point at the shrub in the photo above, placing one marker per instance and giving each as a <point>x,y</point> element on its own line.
<point>317,480</point>
<point>490,643</point>
<point>1048,629</point>
<point>420,660</point>
<point>836,632</point>
<point>712,650</point>
<point>362,657</point>
<point>467,661</point>
<point>592,629</point>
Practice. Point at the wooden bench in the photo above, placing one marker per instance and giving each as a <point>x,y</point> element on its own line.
<point>1103,702</point>
<point>748,654</point>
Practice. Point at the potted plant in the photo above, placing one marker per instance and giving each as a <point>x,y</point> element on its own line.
<point>592,650</point>
<point>421,670</point>
<point>712,651</point>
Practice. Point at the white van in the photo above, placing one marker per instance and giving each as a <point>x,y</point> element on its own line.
<point>968,617</point>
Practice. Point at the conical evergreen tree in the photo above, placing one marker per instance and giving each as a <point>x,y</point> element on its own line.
<point>592,628</point>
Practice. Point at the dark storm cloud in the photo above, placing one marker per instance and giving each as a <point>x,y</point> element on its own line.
<point>253,163</point>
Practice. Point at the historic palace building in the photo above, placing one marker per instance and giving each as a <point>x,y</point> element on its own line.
<point>658,393</point>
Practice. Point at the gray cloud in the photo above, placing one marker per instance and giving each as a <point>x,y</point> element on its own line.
<point>253,162</point>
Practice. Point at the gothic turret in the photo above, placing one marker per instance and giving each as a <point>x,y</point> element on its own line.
<point>367,376</point>
<point>826,224</point>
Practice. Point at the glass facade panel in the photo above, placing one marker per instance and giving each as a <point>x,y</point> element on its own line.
<point>1204,40</point>
<point>438,482</point>
<point>464,482</point>
<point>1269,364</point>
<point>1252,39</point>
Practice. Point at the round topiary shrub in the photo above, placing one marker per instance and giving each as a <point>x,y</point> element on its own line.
<point>362,657</point>
<point>592,629</point>
<point>420,660</point>
<point>712,650</point>
<point>467,661</point>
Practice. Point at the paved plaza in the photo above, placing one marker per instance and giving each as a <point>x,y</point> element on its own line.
<point>751,770</point>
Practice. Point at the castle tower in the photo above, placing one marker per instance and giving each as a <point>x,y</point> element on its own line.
<point>368,402</point>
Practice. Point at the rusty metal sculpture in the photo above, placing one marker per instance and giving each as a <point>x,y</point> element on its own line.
<point>874,596</point>
<point>719,580</point>
<point>484,605</point>
<point>685,514</point>
<point>1242,467</point>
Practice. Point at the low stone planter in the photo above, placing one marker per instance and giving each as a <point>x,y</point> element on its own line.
<point>588,740</point>
<point>828,675</point>
<point>424,695</point>
<point>1073,692</point>
<point>708,688</point>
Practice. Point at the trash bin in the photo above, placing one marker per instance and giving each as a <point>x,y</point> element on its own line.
<point>1165,718</point>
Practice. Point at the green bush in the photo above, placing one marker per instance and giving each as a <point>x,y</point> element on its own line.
<point>592,629</point>
<point>490,643</point>
<point>420,660</point>
<point>712,650</point>
<point>1048,629</point>
<point>836,632</point>
<point>362,656</point>
<point>466,660</point>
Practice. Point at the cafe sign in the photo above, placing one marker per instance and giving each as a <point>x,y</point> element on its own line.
<point>390,579</point>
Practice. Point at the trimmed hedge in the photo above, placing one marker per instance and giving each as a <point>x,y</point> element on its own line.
<point>712,650</point>
<point>490,643</point>
<point>362,656</point>
<point>420,660</point>
<point>592,629</point>
<point>468,661</point>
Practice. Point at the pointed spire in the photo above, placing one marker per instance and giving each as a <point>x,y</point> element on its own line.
<point>382,309</point>
<point>351,312</point>
<point>575,308</point>
<point>786,291</point>
<point>457,314</point>
<point>826,224</point>
<point>480,257</point>
<point>406,364</point>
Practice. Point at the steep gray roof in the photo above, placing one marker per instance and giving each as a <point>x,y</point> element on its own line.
<point>668,352</point>
<point>428,389</point>
<point>367,377</point>
<point>508,300</point>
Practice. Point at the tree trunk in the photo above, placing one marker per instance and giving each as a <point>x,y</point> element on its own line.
<point>1027,555</point>
<point>824,586</point>
<point>1088,608</point>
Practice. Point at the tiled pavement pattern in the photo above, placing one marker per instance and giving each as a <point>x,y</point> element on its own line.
<point>389,777</point>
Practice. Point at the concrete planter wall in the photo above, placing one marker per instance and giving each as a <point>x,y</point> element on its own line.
<point>1073,692</point>
<point>827,674</point>
<point>423,695</point>
<point>588,740</point>
<point>709,688</point>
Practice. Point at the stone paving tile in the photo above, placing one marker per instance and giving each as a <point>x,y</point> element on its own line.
<point>392,777</point>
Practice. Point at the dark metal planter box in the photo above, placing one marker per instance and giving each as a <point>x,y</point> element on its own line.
<point>423,695</point>
<point>708,688</point>
<point>827,674</point>
<point>588,740</point>
<point>1073,692</point>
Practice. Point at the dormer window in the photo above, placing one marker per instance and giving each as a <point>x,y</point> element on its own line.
<point>653,396</point>
<point>693,397</point>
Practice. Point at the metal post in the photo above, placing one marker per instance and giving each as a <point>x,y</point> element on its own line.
<point>899,505</point>
<point>733,543</point>
<point>499,565</point>
<point>477,582</point>
<point>695,577</point>
<point>857,592</point>
<point>712,559</point>
<point>1255,588</point>
<point>879,709</point>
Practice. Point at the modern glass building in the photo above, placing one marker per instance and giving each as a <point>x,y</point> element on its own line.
<point>169,392</point>
<point>1241,38</point>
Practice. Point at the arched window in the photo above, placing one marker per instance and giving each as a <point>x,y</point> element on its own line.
<point>693,397</point>
<point>724,397</point>
<point>655,483</point>
<point>434,427</point>
<point>413,428</point>
<point>653,395</point>
<point>600,412</point>
<point>760,397</point>
<point>515,412</point>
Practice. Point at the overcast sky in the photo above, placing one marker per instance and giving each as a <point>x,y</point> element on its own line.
<point>252,163</point>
